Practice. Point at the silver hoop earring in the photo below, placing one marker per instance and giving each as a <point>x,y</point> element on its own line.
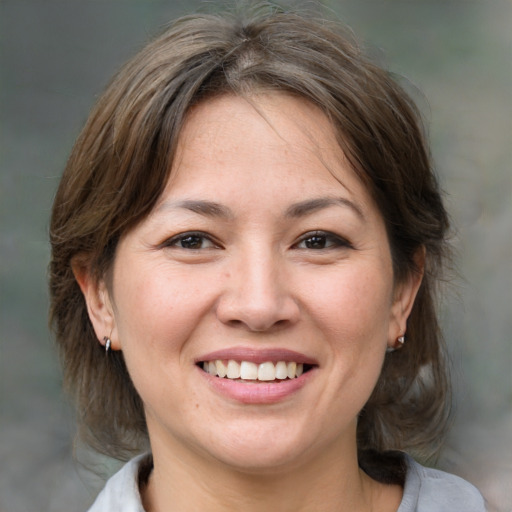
<point>108,342</point>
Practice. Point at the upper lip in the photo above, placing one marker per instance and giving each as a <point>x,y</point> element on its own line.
<point>257,356</point>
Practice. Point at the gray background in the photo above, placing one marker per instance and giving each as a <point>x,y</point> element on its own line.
<point>56,56</point>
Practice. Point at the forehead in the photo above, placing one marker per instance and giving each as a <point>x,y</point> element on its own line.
<point>247,136</point>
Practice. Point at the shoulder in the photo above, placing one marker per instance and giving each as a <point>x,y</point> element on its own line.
<point>121,492</point>
<point>431,490</point>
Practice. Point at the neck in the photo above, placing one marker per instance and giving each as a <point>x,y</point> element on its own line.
<point>189,482</point>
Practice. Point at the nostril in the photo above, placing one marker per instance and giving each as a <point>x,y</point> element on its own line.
<point>260,307</point>
<point>258,326</point>
<point>261,326</point>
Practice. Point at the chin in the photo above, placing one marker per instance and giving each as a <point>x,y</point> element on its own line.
<point>263,448</point>
<point>267,460</point>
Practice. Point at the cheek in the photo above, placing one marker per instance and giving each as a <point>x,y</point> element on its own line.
<point>156,308</point>
<point>353,304</point>
<point>352,308</point>
<point>156,317</point>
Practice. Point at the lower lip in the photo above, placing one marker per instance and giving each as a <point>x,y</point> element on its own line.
<point>257,392</point>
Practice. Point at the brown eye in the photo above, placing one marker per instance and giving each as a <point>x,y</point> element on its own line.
<point>315,242</point>
<point>191,241</point>
<point>321,240</point>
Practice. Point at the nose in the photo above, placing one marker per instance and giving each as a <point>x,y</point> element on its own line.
<point>258,295</point>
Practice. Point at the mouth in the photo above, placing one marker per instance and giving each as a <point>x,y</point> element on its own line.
<point>257,376</point>
<point>251,372</point>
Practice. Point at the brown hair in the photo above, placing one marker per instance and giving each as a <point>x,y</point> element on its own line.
<point>121,163</point>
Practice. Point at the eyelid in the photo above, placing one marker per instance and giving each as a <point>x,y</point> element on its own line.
<point>339,241</point>
<point>173,240</point>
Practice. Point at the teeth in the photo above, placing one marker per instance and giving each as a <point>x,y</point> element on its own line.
<point>222,369</point>
<point>266,371</point>
<point>233,370</point>
<point>281,370</point>
<point>247,370</point>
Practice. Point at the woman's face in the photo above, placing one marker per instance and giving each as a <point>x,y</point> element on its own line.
<point>265,255</point>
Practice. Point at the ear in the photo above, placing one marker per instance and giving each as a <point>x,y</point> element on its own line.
<point>99,304</point>
<point>404,296</point>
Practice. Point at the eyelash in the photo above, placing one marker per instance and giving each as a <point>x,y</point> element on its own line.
<point>190,235</point>
<point>326,240</point>
<point>323,239</point>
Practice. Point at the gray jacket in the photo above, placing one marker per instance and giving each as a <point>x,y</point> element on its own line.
<point>425,490</point>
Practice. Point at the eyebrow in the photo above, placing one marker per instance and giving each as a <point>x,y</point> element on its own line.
<point>206,208</point>
<point>312,205</point>
<point>301,209</point>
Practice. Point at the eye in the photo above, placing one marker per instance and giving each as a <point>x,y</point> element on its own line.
<point>191,241</point>
<point>318,240</point>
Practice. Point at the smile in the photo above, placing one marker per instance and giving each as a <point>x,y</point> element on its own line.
<point>250,371</point>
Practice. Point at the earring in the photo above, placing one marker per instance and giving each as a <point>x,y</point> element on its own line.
<point>108,342</point>
<point>399,343</point>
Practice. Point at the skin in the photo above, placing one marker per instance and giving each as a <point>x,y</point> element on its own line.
<point>268,269</point>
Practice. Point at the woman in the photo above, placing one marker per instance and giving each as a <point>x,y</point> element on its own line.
<point>245,247</point>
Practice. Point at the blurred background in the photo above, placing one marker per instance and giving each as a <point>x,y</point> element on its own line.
<point>56,57</point>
